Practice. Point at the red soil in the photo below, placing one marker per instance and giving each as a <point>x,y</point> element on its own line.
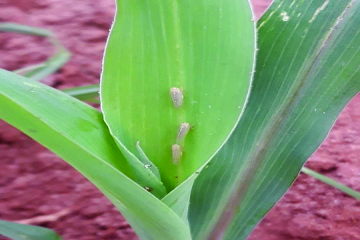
<point>34,182</point>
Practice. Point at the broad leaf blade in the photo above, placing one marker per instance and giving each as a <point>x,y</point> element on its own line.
<point>206,48</point>
<point>307,70</point>
<point>18,231</point>
<point>76,132</point>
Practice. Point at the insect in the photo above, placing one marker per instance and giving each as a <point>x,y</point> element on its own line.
<point>177,96</point>
<point>183,131</point>
<point>176,153</point>
<point>149,189</point>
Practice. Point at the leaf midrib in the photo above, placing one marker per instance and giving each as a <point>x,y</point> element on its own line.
<point>181,79</point>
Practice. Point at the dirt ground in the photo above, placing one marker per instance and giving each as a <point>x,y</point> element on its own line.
<point>39,188</point>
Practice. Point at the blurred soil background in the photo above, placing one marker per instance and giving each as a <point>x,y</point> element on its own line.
<point>37,187</point>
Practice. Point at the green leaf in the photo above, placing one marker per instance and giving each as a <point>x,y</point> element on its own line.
<point>23,29</point>
<point>307,70</point>
<point>204,48</point>
<point>331,182</point>
<point>179,198</point>
<point>24,70</point>
<point>76,132</point>
<point>84,93</point>
<point>143,175</point>
<point>39,71</point>
<point>50,66</point>
<point>146,161</point>
<point>18,231</point>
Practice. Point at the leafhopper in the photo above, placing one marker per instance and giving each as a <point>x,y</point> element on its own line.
<point>176,153</point>
<point>177,96</point>
<point>183,131</point>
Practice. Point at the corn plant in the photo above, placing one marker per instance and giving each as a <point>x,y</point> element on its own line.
<point>207,116</point>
